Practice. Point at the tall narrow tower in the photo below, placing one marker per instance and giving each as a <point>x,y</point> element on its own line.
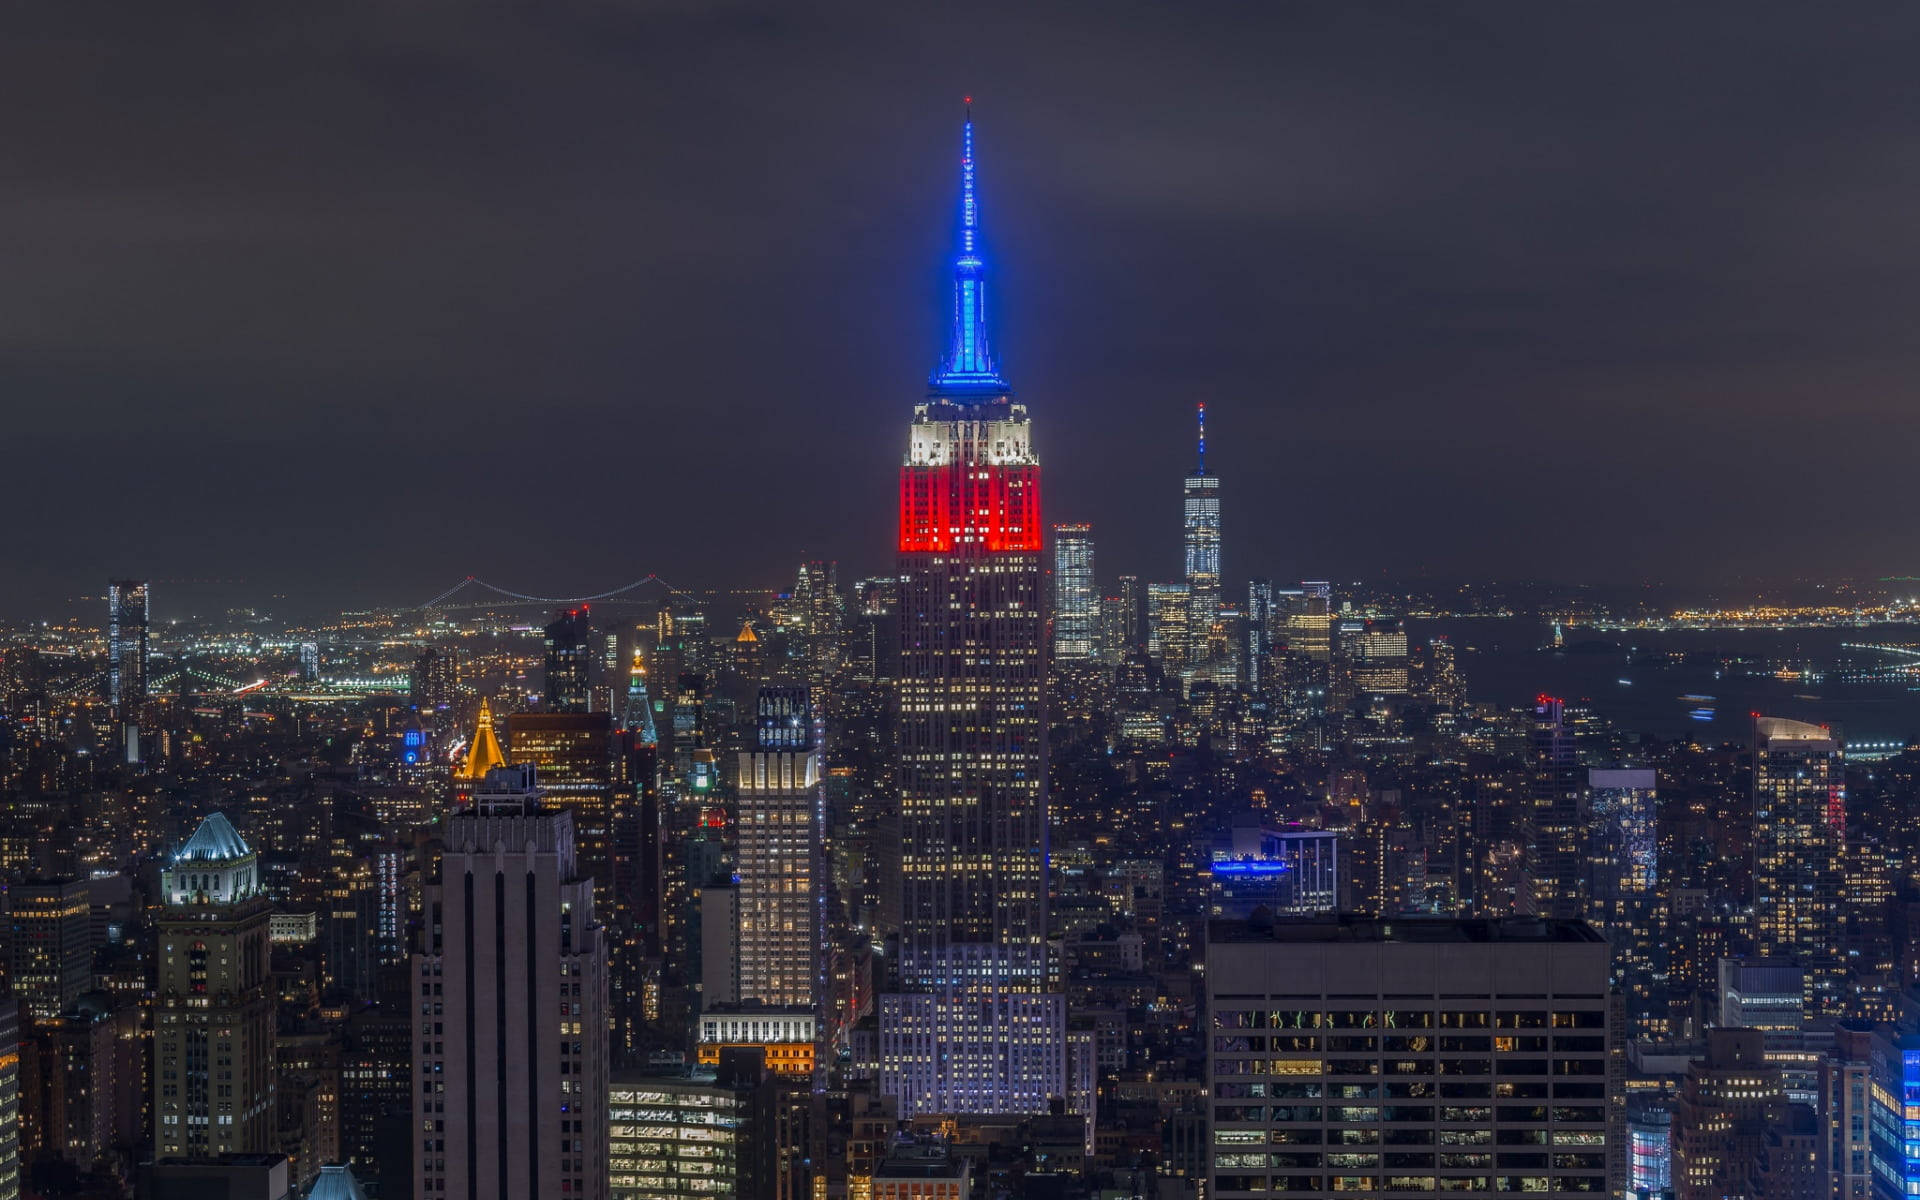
<point>973,1029</point>
<point>1200,524</point>
<point>511,1033</point>
<point>1799,844</point>
<point>213,1064</point>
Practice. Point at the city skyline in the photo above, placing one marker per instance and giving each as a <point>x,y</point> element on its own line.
<point>1190,826</point>
<point>1321,239</point>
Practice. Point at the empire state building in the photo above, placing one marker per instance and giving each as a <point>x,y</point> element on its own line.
<point>973,1029</point>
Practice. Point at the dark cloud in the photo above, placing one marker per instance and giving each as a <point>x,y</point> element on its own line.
<point>351,301</point>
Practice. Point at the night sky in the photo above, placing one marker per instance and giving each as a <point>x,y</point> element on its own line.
<point>349,304</point>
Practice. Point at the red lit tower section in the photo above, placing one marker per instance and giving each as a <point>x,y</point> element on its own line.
<point>972,760</point>
<point>970,480</point>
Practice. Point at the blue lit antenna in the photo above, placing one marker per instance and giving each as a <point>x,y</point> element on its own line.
<point>968,366</point>
<point>1202,469</point>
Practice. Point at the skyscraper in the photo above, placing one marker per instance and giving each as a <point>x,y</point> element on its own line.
<point>1799,836</point>
<point>213,1055</point>
<point>973,1029</point>
<point>1200,524</point>
<point>1558,790</point>
<point>510,1032</point>
<point>570,662</point>
<point>127,624</point>
<point>1076,600</point>
<point>779,864</point>
<point>1261,620</point>
<point>1170,634</point>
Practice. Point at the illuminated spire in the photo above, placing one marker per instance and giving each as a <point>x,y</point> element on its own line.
<point>968,366</point>
<point>638,716</point>
<point>485,753</point>
<point>1202,468</point>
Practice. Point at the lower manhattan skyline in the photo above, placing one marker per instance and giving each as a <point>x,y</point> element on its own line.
<point>1440,334</point>
<point>627,600</point>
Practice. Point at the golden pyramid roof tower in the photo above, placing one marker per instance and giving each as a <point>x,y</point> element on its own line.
<point>747,634</point>
<point>485,753</point>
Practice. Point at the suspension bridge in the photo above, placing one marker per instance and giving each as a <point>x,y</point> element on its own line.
<point>476,593</point>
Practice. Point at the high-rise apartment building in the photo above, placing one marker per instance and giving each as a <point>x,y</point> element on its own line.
<point>1076,598</point>
<point>510,1032</point>
<point>1414,1055</point>
<point>570,654</point>
<point>973,1028</point>
<point>1200,536</point>
<point>213,1028</point>
<point>50,936</point>
<point>780,830</point>
<point>128,622</point>
<point>1799,841</point>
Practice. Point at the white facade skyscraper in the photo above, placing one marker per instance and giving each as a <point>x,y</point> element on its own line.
<point>778,888</point>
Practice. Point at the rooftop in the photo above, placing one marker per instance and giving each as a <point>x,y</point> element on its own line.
<point>1351,927</point>
<point>215,841</point>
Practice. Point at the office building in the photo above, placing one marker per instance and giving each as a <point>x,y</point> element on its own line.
<point>1799,839</point>
<point>1076,597</point>
<point>1557,847</point>
<point>235,1176</point>
<point>1200,536</point>
<point>1170,634</point>
<point>778,877</point>
<point>574,754</point>
<point>700,1133</point>
<point>922,1169</point>
<point>9,1101</point>
<point>128,622</point>
<point>786,1038</point>
<point>569,658</point>
<point>637,870</point>
<point>435,682</point>
<point>1764,994</point>
<point>1292,872</point>
<point>1412,1055</point>
<point>973,1028</point>
<point>510,1034</point>
<point>1727,1104</point>
<point>1624,898</point>
<point>50,926</point>
<point>1310,624</point>
<point>820,610</point>
<point>1846,1104</point>
<point>1894,1125</point>
<point>1261,625</point>
<point>1377,654</point>
<point>213,1020</point>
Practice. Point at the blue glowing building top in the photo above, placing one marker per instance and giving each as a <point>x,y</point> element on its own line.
<point>968,368</point>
